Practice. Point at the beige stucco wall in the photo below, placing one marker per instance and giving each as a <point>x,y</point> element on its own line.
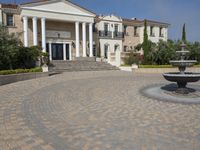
<point>130,39</point>
<point>18,26</point>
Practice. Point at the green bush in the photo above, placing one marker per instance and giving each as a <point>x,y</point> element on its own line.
<point>132,58</point>
<point>7,72</point>
<point>27,57</point>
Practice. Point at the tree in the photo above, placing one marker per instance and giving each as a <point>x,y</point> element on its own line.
<point>183,34</point>
<point>9,46</point>
<point>145,44</point>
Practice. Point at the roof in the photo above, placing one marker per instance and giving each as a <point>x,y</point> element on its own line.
<point>132,22</point>
<point>156,23</point>
<point>38,1</point>
<point>141,22</point>
<point>9,6</point>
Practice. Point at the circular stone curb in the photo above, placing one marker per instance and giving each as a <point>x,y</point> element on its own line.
<point>163,92</point>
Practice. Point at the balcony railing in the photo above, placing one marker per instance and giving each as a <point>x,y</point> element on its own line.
<point>118,35</point>
<point>105,34</point>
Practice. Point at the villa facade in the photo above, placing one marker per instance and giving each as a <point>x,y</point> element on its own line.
<point>68,31</point>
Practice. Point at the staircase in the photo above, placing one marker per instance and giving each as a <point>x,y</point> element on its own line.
<point>80,64</point>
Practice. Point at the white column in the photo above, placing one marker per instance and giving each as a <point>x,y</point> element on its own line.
<point>50,51</point>
<point>77,40</point>
<point>64,51</point>
<point>84,38</point>
<point>91,39</point>
<point>43,26</point>
<point>25,26</point>
<point>70,52</point>
<point>35,38</point>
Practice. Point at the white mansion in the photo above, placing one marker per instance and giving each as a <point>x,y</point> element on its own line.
<point>68,31</point>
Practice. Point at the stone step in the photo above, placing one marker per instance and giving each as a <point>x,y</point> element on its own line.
<point>80,65</point>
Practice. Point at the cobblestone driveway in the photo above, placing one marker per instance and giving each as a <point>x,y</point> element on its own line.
<point>94,111</point>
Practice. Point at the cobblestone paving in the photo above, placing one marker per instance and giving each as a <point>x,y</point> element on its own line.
<point>94,111</point>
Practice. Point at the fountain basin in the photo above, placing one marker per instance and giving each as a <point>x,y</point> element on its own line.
<point>182,80</point>
<point>186,77</point>
<point>186,63</point>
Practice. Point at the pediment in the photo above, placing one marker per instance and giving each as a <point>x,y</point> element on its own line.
<point>58,6</point>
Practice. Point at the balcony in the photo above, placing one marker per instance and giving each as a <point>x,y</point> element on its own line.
<point>162,35</point>
<point>105,34</point>
<point>119,35</point>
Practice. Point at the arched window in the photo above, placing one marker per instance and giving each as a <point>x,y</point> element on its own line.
<point>106,49</point>
<point>116,47</point>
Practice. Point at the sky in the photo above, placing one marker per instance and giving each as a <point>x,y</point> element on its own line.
<point>174,12</point>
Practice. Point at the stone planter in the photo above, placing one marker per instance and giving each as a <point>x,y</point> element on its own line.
<point>45,68</point>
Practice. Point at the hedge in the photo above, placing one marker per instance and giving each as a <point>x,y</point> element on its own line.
<point>7,72</point>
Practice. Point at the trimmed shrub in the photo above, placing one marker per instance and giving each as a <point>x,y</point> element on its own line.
<point>7,72</point>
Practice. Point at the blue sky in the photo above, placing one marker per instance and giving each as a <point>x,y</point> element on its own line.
<point>175,12</point>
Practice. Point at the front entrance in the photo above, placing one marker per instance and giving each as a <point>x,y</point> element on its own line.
<point>57,51</point>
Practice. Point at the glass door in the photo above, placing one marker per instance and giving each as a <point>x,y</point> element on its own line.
<point>57,51</point>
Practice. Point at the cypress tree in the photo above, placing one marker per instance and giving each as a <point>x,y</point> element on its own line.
<point>184,34</point>
<point>145,40</point>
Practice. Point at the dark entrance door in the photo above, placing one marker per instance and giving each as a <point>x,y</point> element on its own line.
<point>57,51</point>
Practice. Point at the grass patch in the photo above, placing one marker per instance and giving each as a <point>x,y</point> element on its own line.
<point>156,66</point>
<point>198,66</point>
<point>16,71</point>
<point>125,65</point>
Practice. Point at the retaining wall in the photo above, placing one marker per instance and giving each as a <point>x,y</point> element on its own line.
<point>6,79</point>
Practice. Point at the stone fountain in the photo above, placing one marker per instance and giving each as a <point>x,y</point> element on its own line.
<point>182,77</point>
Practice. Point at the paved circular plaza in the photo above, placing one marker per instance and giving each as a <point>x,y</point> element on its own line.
<point>94,111</point>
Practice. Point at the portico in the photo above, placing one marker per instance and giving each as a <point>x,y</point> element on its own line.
<point>61,28</point>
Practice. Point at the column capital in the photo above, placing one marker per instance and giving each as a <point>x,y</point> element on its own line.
<point>43,18</point>
<point>83,23</point>
<point>25,17</point>
<point>34,18</point>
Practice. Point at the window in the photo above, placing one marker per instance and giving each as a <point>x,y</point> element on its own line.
<point>9,18</point>
<point>116,47</point>
<point>106,29</point>
<point>151,31</point>
<point>135,31</point>
<point>125,27</point>
<point>106,51</point>
<point>160,33</point>
<point>125,48</point>
<point>116,28</point>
